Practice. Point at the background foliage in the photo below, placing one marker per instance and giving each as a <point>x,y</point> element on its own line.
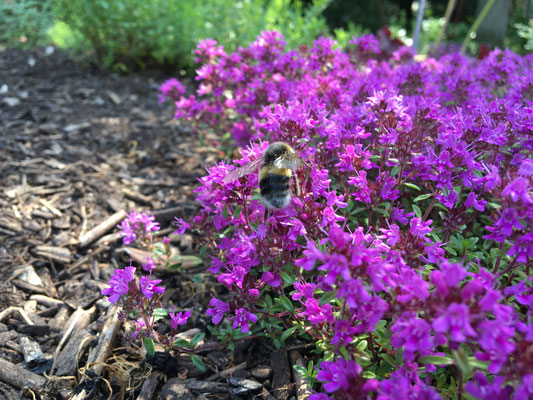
<point>132,34</point>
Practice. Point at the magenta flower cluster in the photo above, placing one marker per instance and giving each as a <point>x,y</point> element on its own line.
<point>413,229</point>
<point>140,296</point>
<point>138,227</point>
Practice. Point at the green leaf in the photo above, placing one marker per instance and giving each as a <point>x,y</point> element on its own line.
<point>411,185</point>
<point>182,343</point>
<point>203,251</point>
<point>300,370</point>
<point>358,210</point>
<point>159,313</point>
<point>268,300</point>
<point>381,211</point>
<point>184,261</point>
<point>422,197</point>
<point>197,338</point>
<point>461,360</point>
<point>288,279</point>
<point>361,346</point>
<point>327,297</point>
<point>436,360</point>
<point>149,346</point>
<point>417,211</point>
<point>285,335</point>
<point>198,363</point>
<point>368,375</point>
<point>474,362</point>
<point>389,360</point>
<point>286,303</point>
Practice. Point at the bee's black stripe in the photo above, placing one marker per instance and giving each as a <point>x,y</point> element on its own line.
<point>273,183</point>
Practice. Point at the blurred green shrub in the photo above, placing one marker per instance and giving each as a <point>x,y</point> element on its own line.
<point>526,32</point>
<point>24,22</point>
<point>128,34</point>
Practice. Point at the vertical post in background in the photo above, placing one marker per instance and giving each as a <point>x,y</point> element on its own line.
<point>419,17</point>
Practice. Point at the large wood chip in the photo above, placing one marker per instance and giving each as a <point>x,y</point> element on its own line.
<point>281,377</point>
<point>102,228</point>
<point>19,377</point>
<point>59,254</point>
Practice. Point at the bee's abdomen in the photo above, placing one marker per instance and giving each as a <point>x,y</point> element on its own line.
<point>274,187</point>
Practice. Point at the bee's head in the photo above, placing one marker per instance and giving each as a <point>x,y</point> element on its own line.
<point>277,152</point>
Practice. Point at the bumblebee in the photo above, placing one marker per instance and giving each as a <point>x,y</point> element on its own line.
<point>278,164</point>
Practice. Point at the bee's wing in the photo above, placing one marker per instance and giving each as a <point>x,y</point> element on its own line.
<point>242,171</point>
<point>289,161</point>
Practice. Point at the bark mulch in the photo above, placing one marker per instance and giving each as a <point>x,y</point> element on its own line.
<point>78,150</point>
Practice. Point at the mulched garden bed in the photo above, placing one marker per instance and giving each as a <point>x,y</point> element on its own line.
<point>77,151</point>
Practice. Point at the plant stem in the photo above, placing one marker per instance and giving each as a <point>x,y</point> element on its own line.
<point>476,24</point>
<point>447,14</point>
<point>460,385</point>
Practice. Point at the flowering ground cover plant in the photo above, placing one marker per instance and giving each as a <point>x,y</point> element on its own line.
<point>407,255</point>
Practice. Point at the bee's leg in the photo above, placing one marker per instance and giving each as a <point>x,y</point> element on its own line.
<point>296,185</point>
<point>265,216</point>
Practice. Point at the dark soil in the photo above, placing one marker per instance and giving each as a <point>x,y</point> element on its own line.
<point>75,148</point>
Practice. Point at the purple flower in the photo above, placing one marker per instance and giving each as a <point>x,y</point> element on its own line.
<point>344,332</point>
<point>320,396</point>
<point>522,248</point>
<point>149,265</point>
<point>179,319</point>
<point>472,201</point>
<point>413,334</point>
<point>518,189</point>
<point>523,292</point>
<point>399,214</point>
<point>419,228</point>
<point>503,228</point>
<point>525,390</point>
<point>139,325</point>
<point>484,390</point>
<point>305,290</point>
<point>242,317</point>
<point>172,89</point>
<point>406,384</point>
<point>449,276</point>
<point>456,322</point>
<point>311,256</point>
<point>149,288</point>
<point>182,226</point>
<point>495,338</point>
<point>317,314</point>
<point>218,310</point>
<point>338,374</point>
<point>119,283</point>
<point>271,279</point>
<point>137,226</point>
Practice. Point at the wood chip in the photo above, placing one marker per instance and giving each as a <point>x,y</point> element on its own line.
<point>59,254</point>
<point>149,386</point>
<point>281,374</point>
<point>19,377</point>
<point>137,197</point>
<point>31,350</point>
<point>8,311</point>
<point>102,228</point>
<point>303,391</point>
<point>47,301</point>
